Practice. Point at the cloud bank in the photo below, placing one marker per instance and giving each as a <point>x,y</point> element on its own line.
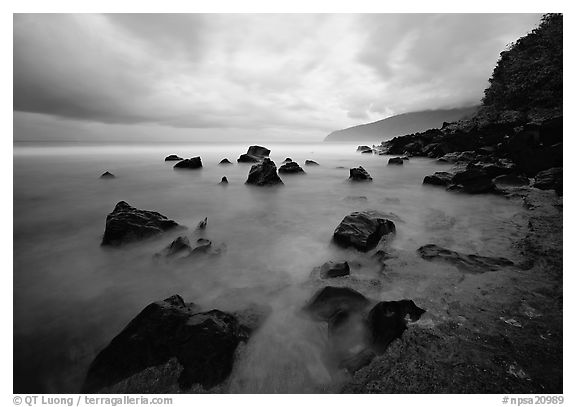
<point>299,75</point>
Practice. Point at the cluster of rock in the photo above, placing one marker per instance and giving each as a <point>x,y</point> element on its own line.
<point>291,167</point>
<point>202,342</point>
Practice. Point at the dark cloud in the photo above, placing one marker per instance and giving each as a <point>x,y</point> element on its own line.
<point>285,73</point>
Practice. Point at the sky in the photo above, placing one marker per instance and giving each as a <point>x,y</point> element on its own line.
<point>281,77</point>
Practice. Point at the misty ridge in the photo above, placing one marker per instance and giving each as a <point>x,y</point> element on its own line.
<point>188,220</point>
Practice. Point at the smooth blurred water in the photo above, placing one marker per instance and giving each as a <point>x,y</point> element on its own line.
<point>71,296</point>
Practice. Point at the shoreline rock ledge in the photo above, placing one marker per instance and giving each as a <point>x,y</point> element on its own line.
<point>363,230</point>
<point>127,224</point>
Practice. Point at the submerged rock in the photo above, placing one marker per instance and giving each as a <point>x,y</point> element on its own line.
<point>359,174</point>
<point>225,161</point>
<point>333,269</point>
<point>287,160</point>
<point>224,181</point>
<point>204,246</point>
<point>310,162</point>
<point>202,224</point>
<point>203,343</point>
<point>107,175</point>
<point>468,262</point>
<point>264,173</point>
<point>173,157</point>
<point>190,163</point>
<point>127,224</point>
<point>363,230</point>
<point>438,178</point>
<point>180,246</point>
<point>396,161</point>
<point>291,167</point>
<point>329,301</point>
<point>254,154</point>
<point>364,148</point>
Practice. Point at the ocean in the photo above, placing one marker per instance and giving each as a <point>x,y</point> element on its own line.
<point>72,296</point>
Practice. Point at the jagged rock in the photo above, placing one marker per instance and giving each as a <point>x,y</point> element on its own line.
<point>264,173</point>
<point>254,154</point>
<point>107,175</point>
<point>364,148</point>
<point>126,224</point>
<point>438,178</point>
<point>387,321</point>
<point>473,181</point>
<point>396,161</point>
<point>468,262</point>
<point>494,168</point>
<point>190,163</point>
<point>224,181</point>
<point>291,167</point>
<point>549,179</point>
<point>310,162</point>
<point>333,269</point>
<point>225,161</point>
<point>204,343</point>
<point>180,246</point>
<point>329,301</point>
<point>173,157</point>
<point>363,230</point>
<point>202,224</point>
<point>287,160</point>
<point>359,174</point>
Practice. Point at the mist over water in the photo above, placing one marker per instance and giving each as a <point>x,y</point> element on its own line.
<point>71,296</point>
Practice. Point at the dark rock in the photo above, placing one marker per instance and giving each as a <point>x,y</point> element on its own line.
<point>549,179</point>
<point>405,158</point>
<point>107,175</point>
<point>291,167</point>
<point>224,180</point>
<point>287,160</point>
<point>204,246</point>
<point>458,157</point>
<point>387,321</point>
<point>510,180</point>
<point>126,224</point>
<point>396,161</point>
<point>202,224</point>
<point>362,230</point>
<point>310,162</point>
<point>364,148</point>
<point>178,247</point>
<point>329,301</point>
<point>258,151</point>
<point>173,157</point>
<point>333,269</point>
<point>204,343</point>
<point>473,181</point>
<point>438,178</point>
<point>367,151</point>
<point>494,168</point>
<point>190,163</point>
<point>264,173</point>
<point>468,262</point>
<point>245,158</point>
<point>225,161</point>
<point>359,174</point>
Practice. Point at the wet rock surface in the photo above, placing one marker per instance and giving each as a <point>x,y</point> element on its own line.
<point>364,149</point>
<point>310,162</point>
<point>179,247</point>
<point>291,167</point>
<point>363,230</point>
<point>127,224</point>
<point>203,343</point>
<point>263,174</point>
<point>225,161</point>
<point>173,157</point>
<point>359,174</point>
<point>332,269</point>
<point>254,154</point>
<point>440,178</point>
<point>549,179</point>
<point>107,175</point>
<point>467,262</point>
<point>396,161</point>
<point>189,163</point>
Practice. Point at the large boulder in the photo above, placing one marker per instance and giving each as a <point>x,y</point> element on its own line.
<point>264,173</point>
<point>472,263</point>
<point>173,157</point>
<point>438,178</point>
<point>363,230</point>
<point>203,343</point>
<point>549,179</point>
<point>291,167</point>
<point>329,301</point>
<point>254,154</point>
<point>359,174</point>
<point>473,181</point>
<point>190,163</point>
<point>127,224</point>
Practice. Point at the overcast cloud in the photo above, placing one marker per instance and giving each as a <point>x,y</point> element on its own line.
<point>294,76</point>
